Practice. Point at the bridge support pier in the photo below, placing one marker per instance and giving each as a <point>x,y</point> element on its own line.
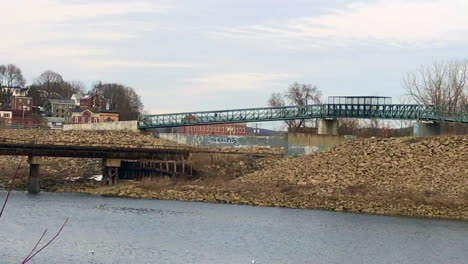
<point>34,186</point>
<point>423,129</point>
<point>110,171</point>
<point>327,126</point>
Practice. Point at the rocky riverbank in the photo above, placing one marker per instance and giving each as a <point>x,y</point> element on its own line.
<point>422,177</point>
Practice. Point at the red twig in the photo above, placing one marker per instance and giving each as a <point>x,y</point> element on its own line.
<point>34,248</point>
<point>11,186</point>
<point>46,245</point>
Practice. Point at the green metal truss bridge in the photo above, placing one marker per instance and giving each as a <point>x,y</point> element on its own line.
<point>328,111</point>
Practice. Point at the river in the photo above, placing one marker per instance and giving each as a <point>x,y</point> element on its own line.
<point>122,230</point>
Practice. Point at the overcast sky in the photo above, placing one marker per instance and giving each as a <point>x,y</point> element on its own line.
<point>184,55</point>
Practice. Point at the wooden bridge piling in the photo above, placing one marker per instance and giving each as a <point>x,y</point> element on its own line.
<point>34,186</point>
<point>110,171</point>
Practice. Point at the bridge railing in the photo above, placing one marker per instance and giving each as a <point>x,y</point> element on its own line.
<point>381,111</point>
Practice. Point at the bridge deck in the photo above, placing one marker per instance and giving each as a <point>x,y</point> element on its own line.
<point>114,151</point>
<point>391,112</point>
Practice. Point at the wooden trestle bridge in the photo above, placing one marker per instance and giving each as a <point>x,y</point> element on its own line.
<point>169,160</point>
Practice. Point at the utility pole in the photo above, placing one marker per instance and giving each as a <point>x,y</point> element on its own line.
<point>22,122</point>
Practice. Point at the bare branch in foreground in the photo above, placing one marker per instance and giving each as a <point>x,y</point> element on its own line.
<point>11,186</point>
<point>35,246</point>
<point>46,245</point>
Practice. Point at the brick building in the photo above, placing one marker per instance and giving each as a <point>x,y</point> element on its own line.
<point>219,129</point>
<point>83,116</point>
<point>22,103</point>
<point>95,101</point>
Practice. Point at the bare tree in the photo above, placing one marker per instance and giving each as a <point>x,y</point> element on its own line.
<point>11,76</point>
<point>78,86</point>
<point>48,79</point>
<point>296,94</point>
<point>122,98</point>
<point>442,83</point>
<point>51,85</point>
<point>2,74</point>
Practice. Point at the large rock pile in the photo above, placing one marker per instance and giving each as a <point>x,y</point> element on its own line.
<point>88,137</point>
<point>422,173</point>
<point>123,138</point>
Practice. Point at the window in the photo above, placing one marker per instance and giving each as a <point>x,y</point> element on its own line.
<point>19,100</point>
<point>29,101</point>
<point>76,119</point>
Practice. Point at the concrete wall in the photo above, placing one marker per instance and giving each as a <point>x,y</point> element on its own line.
<point>307,143</point>
<point>121,125</point>
<point>422,129</point>
<point>226,141</point>
<point>295,143</point>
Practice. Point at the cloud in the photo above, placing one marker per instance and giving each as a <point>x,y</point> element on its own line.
<point>28,22</point>
<point>20,12</point>
<point>109,63</point>
<point>69,52</point>
<point>417,23</point>
<point>236,81</point>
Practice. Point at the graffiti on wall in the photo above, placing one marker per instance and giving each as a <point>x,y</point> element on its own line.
<point>222,140</point>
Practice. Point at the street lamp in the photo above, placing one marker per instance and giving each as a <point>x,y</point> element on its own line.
<point>22,122</point>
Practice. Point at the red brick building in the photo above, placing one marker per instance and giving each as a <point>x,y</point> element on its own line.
<point>219,129</point>
<point>95,101</point>
<point>20,104</point>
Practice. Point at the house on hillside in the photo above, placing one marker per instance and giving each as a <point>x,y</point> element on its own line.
<point>77,98</point>
<point>6,117</point>
<point>7,94</point>
<point>15,91</point>
<point>21,104</point>
<point>94,101</point>
<point>58,107</point>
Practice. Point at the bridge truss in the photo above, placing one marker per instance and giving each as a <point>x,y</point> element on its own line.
<point>377,111</point>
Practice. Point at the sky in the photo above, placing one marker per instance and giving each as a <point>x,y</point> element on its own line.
<point>193,55</point>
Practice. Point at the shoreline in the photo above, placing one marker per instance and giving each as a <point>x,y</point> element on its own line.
<point>270,197</point>
<point>110,192</point>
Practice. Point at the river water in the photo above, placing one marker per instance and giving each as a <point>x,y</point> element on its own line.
<point>121,230</point>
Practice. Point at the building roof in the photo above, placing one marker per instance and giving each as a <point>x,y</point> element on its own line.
<point>93,110</point>
<point>61,101</point>
<point>77,96</point>
<point>14,87</point>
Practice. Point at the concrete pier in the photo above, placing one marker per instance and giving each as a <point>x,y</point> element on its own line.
<point>34,186</point>
<point>423,129</point>
<point>327,126</point>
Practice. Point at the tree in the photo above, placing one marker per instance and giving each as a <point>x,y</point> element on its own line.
<point>51,85</point>
<point>121,98</point>
<point>444,83</point>
<point>2,74</point>
<point>11,76</point>
<point>296,94</point>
